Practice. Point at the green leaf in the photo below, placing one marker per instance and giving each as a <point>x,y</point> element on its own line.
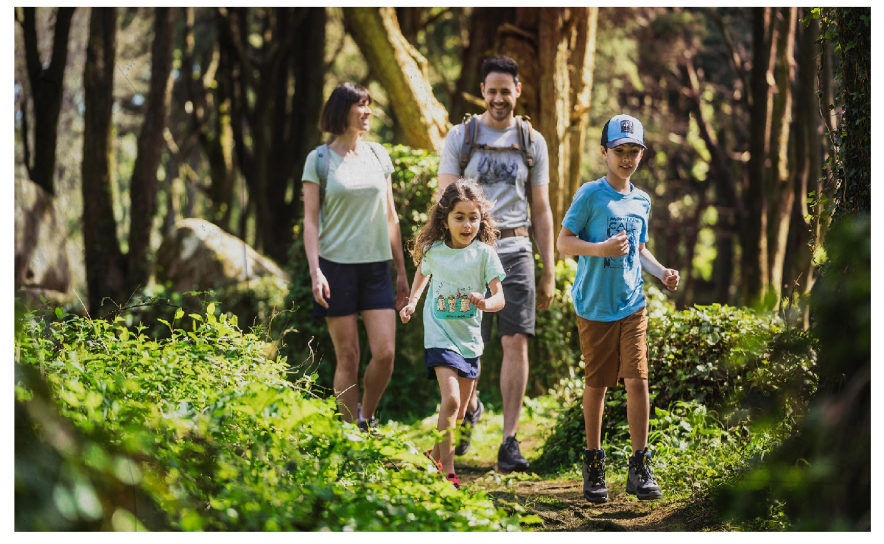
<point>210,309</point>
<point>532,519</point>
<point>179,313</point>
<point>59,312</point>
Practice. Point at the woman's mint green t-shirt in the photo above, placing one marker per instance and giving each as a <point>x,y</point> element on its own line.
<point>450,319</point>
<point>353,217</point>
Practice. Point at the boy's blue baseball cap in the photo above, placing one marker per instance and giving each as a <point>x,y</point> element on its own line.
<point>623,129</point>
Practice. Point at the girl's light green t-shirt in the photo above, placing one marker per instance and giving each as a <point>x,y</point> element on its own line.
<point>353,216</point>
<point>450,319</point>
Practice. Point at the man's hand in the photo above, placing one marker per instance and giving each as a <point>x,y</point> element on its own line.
<point>615,246</point>
<point>670,279</point>
<point>546,289</point>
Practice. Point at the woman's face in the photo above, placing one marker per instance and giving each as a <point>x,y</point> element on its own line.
<point>358,117</point>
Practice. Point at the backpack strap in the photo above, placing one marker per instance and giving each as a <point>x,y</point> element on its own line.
<point>371,145</point>
<point>322,160</point>
<point>470,132</point>
<point>526,139</point>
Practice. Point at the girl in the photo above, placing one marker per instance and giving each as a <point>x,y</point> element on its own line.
<point>350,236</point>
<point>455,249</point>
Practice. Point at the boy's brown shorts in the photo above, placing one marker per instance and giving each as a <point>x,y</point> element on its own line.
<point>614,349</point>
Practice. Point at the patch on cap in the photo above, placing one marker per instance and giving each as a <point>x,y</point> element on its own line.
<point>623,129</point>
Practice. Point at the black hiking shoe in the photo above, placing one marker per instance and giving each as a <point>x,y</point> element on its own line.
<point>364,424</point>
<point>640,479</point>
<point>595,490</point>
<point>466,429</point>
<point>509,458</point>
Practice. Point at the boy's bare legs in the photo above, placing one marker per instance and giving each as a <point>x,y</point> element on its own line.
<point>380,326</point>
<point>345,338</point>
<point>513,380</point>
<point>593,407</point>
<point>638,408</point>
<point>455,393</point>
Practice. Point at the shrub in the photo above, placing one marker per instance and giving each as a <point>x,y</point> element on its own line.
<point>214,435</point>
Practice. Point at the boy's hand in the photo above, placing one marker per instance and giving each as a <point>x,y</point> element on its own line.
<point>478,300</point>
<point>405,313</point>
<point>615,246</point>
<point>670,279</point>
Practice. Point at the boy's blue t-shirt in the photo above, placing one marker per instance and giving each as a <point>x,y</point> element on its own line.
<point>608,288</point>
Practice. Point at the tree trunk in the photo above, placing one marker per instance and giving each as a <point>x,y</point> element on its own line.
<point>782,182</point>
<point>402,71</point>
<point>150,148</point>
<point>581,97</point>
<point>47,88</point>
<point>105,264</point>
<point>755,200</point>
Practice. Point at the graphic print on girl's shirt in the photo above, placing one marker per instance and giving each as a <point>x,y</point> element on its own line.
<point>452,301</point>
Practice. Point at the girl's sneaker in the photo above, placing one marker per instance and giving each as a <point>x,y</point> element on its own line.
<point>429,455</point>
<point>455,481</point>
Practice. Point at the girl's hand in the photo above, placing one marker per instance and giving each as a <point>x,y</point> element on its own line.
<point>405,313</point>
<point>478,300</point>
<point>321,291</point>
<point>402,291</point>
<point>670,279</point>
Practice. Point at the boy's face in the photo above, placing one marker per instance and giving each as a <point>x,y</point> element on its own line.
<point>500,92</point>
<point>623,160</point>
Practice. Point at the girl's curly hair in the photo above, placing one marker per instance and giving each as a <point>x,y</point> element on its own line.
<point>462,190</point>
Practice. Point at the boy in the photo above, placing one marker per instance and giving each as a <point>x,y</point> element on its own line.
<point>607,226</point>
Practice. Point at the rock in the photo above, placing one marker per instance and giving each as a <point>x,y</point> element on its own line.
<point>41,253</point>
<point>198,255</point>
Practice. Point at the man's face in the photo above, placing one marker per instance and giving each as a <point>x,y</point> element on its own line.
<point>500,92</point>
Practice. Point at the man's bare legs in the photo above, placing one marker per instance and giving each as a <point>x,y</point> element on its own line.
<point>513,380</point>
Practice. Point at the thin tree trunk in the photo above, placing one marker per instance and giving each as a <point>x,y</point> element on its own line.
<point>783,194</point>
<point>150,148</point>
<point>581,98</point>
<point>105,263</point>
<point>402,71</point>
<point>47,88</point>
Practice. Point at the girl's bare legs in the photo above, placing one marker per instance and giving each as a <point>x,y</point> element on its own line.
<point>455,393</point>
<point>345,337</point>
<point>381,328</point>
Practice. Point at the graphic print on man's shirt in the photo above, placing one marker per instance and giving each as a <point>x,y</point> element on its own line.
<point>497,168</point>
<point>632,226</point>
<point>451,301</point>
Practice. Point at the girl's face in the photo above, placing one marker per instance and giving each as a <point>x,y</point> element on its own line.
<point>357,119</point>
<point>463,221</point>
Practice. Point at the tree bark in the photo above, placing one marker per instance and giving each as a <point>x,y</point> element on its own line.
<point>755,199</point>
<point>105,264</point>
<point>150,148</point>
<point>402,71</point>
<point>782,182</point>
<point>47,88</point>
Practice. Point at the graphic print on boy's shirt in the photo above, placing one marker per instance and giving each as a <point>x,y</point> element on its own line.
<point>451,301</point>
<point>632,226</point>
<point>498,168</point>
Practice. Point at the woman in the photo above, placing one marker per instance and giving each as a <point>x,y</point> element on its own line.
<point>351,232</point>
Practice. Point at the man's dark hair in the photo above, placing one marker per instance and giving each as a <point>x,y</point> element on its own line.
<point>337,107</point>
<point>503,65</point>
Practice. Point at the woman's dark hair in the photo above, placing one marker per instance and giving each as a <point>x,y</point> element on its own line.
<point>337,107</point>
<point>503,65</point>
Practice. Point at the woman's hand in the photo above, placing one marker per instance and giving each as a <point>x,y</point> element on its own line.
<point>402,290</point>
<point>321,291</point>
<point>405,312</point>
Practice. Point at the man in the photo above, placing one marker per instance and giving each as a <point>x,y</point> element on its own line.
<point>513,177</point>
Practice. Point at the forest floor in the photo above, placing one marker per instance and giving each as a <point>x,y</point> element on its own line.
<point>557,499</point>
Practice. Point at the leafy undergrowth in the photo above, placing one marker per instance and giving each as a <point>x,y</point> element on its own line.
<point>210,436</point>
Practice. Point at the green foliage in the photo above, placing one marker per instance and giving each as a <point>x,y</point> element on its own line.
<point>217,436</point>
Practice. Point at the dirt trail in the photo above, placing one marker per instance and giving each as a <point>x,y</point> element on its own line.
<point>561,506</point>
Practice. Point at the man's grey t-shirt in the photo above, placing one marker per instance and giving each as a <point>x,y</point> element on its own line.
<point>501,174</point>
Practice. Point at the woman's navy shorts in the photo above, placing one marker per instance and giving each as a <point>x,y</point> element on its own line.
<point>466,367</point>
<point>355,288</point>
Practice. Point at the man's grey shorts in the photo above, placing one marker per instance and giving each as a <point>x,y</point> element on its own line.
<point>519,291</point>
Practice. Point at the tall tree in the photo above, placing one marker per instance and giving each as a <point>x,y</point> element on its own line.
<point>47,87</point>
<point>402,71</point>
<point>105,263</point>
<point>143,186</point>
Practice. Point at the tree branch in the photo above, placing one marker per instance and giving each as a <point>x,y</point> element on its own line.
<point>734,57</point>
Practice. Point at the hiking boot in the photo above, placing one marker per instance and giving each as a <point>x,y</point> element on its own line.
<point>455,481</point>
<point>509,458</point>
<point>640,479</point>
<point>429,455</point>
<point>364,424</point>
<point>466,429</point>
<point>595,490</point>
